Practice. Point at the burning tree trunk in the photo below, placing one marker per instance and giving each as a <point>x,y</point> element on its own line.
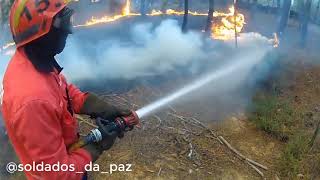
<point>235,4</point>
<point>143,7</point>
<point>210,15</point>
<point>284,16</point>
<point>305,21</point>
<point>185,16</point>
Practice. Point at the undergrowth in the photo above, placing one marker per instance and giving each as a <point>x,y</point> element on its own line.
<point>274,116</point>
<point>279,119</point>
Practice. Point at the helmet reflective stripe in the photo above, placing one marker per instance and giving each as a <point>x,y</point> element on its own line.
<point>31,19</point>
<point>18,13</point>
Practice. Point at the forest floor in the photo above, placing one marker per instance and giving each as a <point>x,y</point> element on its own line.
<point>174,144</point>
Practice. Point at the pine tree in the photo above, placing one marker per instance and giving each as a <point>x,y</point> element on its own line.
<point>210,15</point>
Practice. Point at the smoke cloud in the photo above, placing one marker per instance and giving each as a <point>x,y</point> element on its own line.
<point>161,49</point>
<point>153,51</point>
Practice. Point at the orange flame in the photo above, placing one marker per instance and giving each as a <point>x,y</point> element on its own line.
<point>126,9</point>
<point>174,12</point>
<point>126,12</point>
<point>226,29</point>
<point>222,31</point>
<point>275,41</point>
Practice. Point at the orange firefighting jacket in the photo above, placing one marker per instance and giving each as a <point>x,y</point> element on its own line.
<point>39,125</point>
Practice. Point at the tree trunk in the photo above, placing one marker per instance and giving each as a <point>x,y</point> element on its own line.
<point>278,6</point>
<point>284,16</point>
<point>143,7</point>
<point>185,16</point>
<point>317,12</point>
<point>1,17</point>
<point>210,15</point>
<point>235,4</point>
<point>305,21</point>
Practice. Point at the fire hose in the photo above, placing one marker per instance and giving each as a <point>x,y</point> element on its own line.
<point>106,127</point>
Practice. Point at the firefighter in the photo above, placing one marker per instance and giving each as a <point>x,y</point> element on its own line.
<point>38,104</point>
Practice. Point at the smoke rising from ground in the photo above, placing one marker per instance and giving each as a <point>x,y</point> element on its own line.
<point>160,50</point>
<point>152,51</point>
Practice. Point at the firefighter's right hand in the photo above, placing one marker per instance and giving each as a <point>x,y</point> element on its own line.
<point>108,141</point>
<point>96,149</point>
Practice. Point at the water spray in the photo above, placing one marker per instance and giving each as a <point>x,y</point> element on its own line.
<point>197,84</point>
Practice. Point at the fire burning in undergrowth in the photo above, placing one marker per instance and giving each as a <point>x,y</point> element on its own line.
<point>106,19</point>
<point>126,12</point>
<point>230,25</point>
<point>226,26</point>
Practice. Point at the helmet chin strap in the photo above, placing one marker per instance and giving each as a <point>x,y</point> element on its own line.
<point>41,52</point>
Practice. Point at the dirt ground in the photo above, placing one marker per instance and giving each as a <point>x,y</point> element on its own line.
<point>174,145</point>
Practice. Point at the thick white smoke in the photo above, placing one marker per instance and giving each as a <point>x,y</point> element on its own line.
<point>153,51</point>
<point>150,51</point>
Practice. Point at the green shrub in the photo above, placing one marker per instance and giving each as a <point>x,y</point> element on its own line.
<point>292,155</point>
<point>274,116</point>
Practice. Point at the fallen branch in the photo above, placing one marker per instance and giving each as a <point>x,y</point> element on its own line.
<point>159,172</point>
<point>159,119</point>
<point>257,170</point>
<point>81,119</point>
<point>191,150</point>
<point>201,125</point>
<point>241,155</point>
<point>182,118</point>
<point>150,170</point>
<point>204,126</point>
